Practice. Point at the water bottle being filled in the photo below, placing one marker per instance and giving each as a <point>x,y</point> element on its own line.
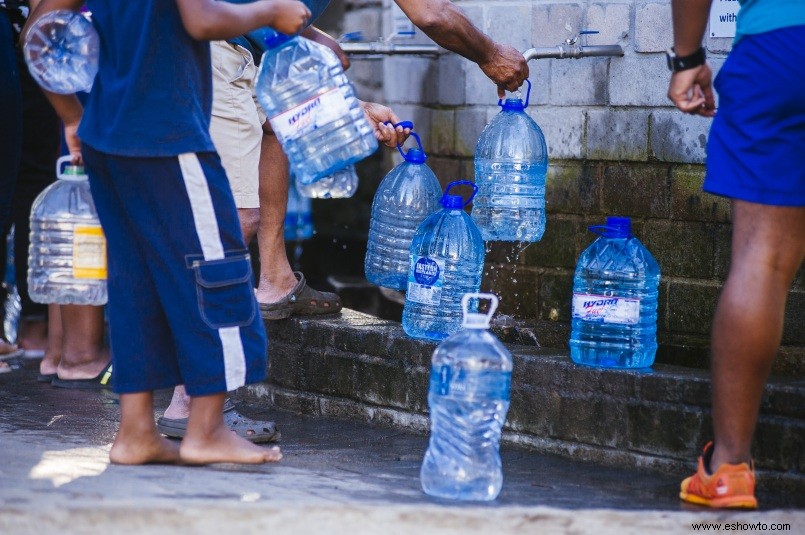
<point>511,160</point>
<point>61,50</point>
<point>446,261</point>
<point>470,381</point>
<point>312,108</point>
<point>405,197</point>
<point>67,255</point>
<point>615,289</point>
<point>340,185</point>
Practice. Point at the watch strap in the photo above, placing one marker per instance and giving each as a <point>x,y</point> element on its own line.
<point>682,63</point>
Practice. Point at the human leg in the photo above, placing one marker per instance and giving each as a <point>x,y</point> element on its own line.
<point>137,440</point>
<point>84,355</point>
<point>48,366</point>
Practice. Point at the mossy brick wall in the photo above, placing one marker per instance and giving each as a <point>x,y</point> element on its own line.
<point>616,146</point>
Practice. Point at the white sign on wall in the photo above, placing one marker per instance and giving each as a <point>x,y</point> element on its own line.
<point>723,15</point>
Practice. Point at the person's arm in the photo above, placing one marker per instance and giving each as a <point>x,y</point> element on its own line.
<point>447,25</point>
<point>208,20</point>
<point>691,90</point>
<point>315,34</point>
<point>378,115</point>
<point>67,107</point>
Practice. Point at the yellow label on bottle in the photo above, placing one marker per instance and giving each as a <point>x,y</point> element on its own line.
<point>89,253</point>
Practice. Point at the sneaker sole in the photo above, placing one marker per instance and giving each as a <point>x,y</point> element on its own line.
<point>729,502</point>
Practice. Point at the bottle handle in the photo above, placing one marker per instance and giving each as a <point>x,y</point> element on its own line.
<point>64,160</point>
<point>527,95</point>
<point>476,318</point>
<point>410,126</point>
<point>463,183</point>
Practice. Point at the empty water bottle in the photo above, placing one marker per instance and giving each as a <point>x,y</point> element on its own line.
<point>405,197</point>
<point>615,288</point>
<point>470,381</point>
<point>298,217</point>
<point>67,255</point>
<point>61,50</point>
<point>446,261</point>
<point>511,160</point>
<point>312,108</point>
<point>340,185</point>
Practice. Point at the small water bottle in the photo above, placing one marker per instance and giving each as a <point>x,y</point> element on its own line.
<point>67,255</point>
<point>615,288</point>
<point>298,217</point>
<point>405,197</point>
<point>511,160</point>
<point>341,185</point>
<point>470,381</point>
<point>312,108</point>
<point>61,50</point>
<point>446,261</point>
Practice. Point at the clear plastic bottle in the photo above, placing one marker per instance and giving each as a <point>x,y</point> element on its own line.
<point>312,108</point>
<point>511,160</point>
<point>341,185</point>
<point>470,381</point>
<point>446,261</point>
<point>298,217</point>
<point>404,198</point>
<point>61,50</point>
<point>67,255</point>
<point>615,290</point>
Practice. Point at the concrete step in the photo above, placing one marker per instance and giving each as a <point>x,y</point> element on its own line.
<point>358,366</point>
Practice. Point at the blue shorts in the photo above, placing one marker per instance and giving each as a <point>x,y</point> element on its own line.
<point>756,149</point>
<point>181,306</point>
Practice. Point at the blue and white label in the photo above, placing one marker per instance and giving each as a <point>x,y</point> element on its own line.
<point>425,280</point>
<point>466,384</point>
<point>606,309</point>
<point>311,114</point>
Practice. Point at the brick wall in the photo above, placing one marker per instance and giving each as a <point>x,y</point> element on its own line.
<point>616,146</point>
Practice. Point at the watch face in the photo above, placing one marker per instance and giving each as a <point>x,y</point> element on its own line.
<point>669,59</point>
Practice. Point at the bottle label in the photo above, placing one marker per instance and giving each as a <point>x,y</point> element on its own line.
<point>606,309</point>
<point>89,253</point>
<point>425,280</point>
<point>466,384</point>
<point>311,114</point>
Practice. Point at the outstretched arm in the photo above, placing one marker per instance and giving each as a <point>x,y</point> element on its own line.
<point>212,20</point>
<point>315,34</point>
<point>691,90</point>
<point>447,25</point>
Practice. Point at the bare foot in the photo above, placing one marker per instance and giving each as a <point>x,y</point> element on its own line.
<point>33,334</point>
<point>144,448</point>
<point>224,446</point>
<point>6,347</point>
<point>279,286</point>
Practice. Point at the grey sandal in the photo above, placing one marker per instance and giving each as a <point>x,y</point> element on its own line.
<point>302,301</point>
<point>252,430</point>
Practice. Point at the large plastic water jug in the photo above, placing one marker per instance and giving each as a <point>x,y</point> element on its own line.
<point>446,261</point>
<point>511,160</point>
<point>312,108</point>
<point>340,185</point>
<point>615,290</point>
<point>298,216</point>
<point>470,381</point>
<point>61,50</point>
<point>67,255</point>
<point>404,198</point>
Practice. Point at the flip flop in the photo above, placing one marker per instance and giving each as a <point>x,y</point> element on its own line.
<point>46,377</point>
<point>4,368</point>
<point>33,353</point>
<point>11,355</point>
<point>260,431</point>
<point>302,301</point>
<point>101,381</point>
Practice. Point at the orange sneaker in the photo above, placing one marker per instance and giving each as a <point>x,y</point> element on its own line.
<point>731,486</point>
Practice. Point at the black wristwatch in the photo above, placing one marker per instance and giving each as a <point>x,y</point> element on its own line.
<point>677,63</point>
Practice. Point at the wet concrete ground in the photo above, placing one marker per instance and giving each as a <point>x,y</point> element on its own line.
<point>55,477</point>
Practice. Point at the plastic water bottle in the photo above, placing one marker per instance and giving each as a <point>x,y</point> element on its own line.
<point>12,306</point>
<point>615,289</point>
<point>470,381</point>
<point>340,185</point>
<point>446,261</point>
<point>298,217</point>
<point>312,108</point>
<point>511,160</point>
<point>405,197</point>
<point>67,255</point>
<point>61,50</point>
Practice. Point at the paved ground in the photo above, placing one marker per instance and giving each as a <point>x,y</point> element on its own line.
<point>336,477</point>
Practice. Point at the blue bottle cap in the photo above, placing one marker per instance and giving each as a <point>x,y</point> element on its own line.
<point>273,39</point>
<point>415,156</point>
<point>619,227</point>
<point>452,202</point>
<point>513,104</point>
